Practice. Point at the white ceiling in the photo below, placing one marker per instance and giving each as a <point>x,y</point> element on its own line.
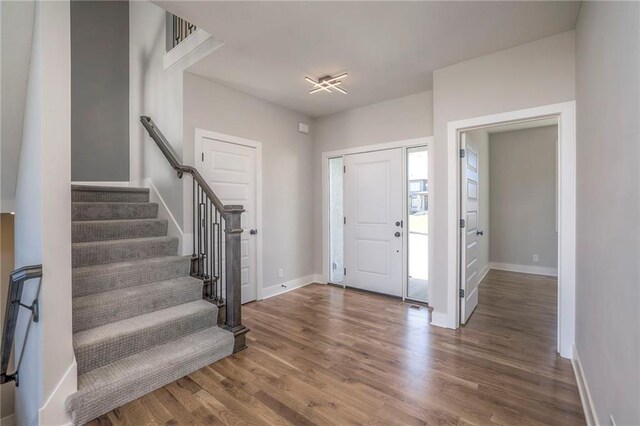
<point>388,48</point>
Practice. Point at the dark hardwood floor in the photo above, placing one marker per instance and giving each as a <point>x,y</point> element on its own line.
<point>323,355</point>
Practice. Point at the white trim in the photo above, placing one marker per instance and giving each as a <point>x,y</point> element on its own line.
<point>53,411</point>
<point>439,319</point>
<point>119,183</point>
<point>524,269</point>
<point>567,211</point>
<point>286,287</point>
<point>318,279</point>
<point>9,420</point>
<point>188,45</point>
<point>583,388</point>
<point>406,143</point>
<point>174,229</point>
<point>197,152</point>
<point>483,273</point>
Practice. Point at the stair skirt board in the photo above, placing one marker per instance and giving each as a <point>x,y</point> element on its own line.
<point>139,320</point>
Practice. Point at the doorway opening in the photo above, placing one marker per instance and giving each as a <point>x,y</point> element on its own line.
<point>508,206</point>
<point>462,190</point>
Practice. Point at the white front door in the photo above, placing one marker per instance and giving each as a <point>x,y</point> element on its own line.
<point>469,278</point>
<point>230,170</point>
<point>373,229</point>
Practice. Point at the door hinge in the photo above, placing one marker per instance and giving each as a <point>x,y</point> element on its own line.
<point>345,271</point>
<point>203,156</point>
<point>344,220</point>
<point>462,153</point>
<point>462,292</point>
<point>344,169</point>
<point>462,223</point>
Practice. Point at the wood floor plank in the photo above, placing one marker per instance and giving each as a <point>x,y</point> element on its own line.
<point>322,355</point>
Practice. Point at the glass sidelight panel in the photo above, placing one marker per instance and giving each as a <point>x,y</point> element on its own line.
<point>418,223</point>
<point>336,220</point>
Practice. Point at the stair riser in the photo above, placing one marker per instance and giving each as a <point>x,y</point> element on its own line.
<point>87,282</point>
<point>115,230</point>
<point>85,254</point>
<point>113,211</point>
<point>120,346</point>
<point>115,384</point>
<point>110,196</point>
<point>87,317</point>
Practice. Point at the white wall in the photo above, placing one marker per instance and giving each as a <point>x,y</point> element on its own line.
<point>523,197</point>
<point>43,221</point>
<point>608,203</point>
<point>533,74</point>
<point>397,119</point>
<point>15,44</point>
<point>288,204</point>
<point>480,138</point>
<point>157,93</point>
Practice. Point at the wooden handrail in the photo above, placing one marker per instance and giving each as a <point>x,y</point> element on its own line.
<point>207,258</point>
<point>14,302</point>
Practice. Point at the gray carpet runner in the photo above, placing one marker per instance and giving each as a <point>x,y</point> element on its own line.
<point>139,320</point>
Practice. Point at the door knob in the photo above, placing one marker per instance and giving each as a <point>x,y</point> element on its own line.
<point>397,234</point>
<point>253,231</point>
<point>479,232</point>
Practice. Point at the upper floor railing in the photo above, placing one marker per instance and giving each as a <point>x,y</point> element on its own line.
<point>178,30</point>
<point>215,259</point>
<point>14,303</point>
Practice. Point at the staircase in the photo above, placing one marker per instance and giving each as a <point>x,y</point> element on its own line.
<point>139,317</point>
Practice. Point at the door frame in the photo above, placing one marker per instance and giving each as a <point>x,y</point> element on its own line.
<point>201,134</point>
<point>566,146</point>
<point>404,144</point>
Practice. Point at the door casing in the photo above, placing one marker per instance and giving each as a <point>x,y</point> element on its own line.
<point>566,115</point>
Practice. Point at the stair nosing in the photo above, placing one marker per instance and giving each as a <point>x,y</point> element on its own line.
<point>125,240</point>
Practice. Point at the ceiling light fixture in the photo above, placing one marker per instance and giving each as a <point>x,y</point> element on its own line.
<point>327,83</point>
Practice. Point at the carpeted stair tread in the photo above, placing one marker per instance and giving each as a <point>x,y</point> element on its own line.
<point>103,345</point>
<point>112,276</point>
<point>102,230</point>
<point>113,211</point>
<point>100,252</point>
<point>116,194</point>
<point>115,384</point>
<point>99,309</point>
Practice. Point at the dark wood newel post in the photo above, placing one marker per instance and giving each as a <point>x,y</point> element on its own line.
<point>232,234</point>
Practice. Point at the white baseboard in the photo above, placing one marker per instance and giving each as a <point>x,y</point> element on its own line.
<point>54,410</point>
<point>285,287</point>
<point>525,269</point>
<point>318,278</point>
<point>174,230</point>
<point>102,183</point>
<point>483,273</point>
<point>9,420</point>
<point>583,388</point>
<point>439,319</point>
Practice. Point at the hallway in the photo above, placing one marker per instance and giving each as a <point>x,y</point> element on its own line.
<point>323,355</point>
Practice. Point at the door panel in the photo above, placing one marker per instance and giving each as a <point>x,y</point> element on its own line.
<point>373,204</point>
<point>469,234</point>
<point>230,170</point>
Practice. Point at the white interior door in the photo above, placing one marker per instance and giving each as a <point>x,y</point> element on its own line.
<point>469,203</point>
<point>230,170</point>
<point>373,229</point>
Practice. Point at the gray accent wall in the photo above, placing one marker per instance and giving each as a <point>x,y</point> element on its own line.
<point>100,90</point>
<point>608,206</point>
<point>523,197</point>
